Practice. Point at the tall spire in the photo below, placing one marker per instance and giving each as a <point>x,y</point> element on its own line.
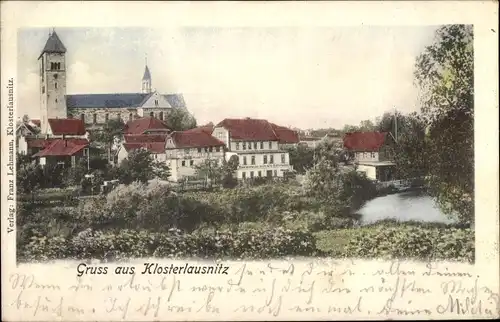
<point>53,44</point>
<point>146,79</point>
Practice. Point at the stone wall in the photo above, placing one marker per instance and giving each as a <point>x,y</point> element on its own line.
<point>99,116</point>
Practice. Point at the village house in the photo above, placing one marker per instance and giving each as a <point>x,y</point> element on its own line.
<point>65,143</point>
<point>181,151</point>
<point>258,145</point>
<point>372,153</point>
<point>146,125</point>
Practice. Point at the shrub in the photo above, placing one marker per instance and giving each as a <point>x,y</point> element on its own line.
<point>412,242</point>
<point>124,244</point>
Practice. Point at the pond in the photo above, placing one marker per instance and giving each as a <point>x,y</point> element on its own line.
<point>404,206</point>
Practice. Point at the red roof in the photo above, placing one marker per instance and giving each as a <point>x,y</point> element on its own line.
<point>249,129</point>
<point>144,124</point>
<point>67,126</point>
<point>194,139</point>
<point>144,138</point>
<point>206,128</point>
<point>285,135</point>
<point>364,141</point>
<point>153,147</point>
<point>63,147</point>
<point>38,143</point>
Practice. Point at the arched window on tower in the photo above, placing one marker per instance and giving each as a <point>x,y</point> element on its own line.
<point>58,66</point>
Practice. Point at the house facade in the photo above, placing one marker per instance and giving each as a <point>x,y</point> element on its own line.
<point>181,151</point>
<point>372,154</point>
<point>258,146</point>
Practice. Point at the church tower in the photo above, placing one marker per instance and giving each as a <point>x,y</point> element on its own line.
<point>146,80</point>
<point>52,63</point>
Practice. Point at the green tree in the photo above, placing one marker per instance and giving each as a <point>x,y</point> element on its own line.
<point>301,158</point>
<point>110,135</point>
<point>179,119</point>
<point>445,75</point>
<point>141,166</point>
<point>210,171</point>
<point>229,168</point>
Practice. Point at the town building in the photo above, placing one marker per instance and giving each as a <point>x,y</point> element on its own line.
<point>65,143</point>
<point>258,145</point>
<point>181,151</point>
<point>372,153</point>
<point>146,125</point>
<point>94,109</point>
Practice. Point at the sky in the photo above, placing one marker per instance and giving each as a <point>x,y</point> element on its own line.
<point>314,77</point>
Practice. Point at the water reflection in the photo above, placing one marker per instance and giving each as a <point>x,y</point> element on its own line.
<point>405,206</point>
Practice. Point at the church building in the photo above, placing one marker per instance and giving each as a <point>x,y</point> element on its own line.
<point>94,109</point>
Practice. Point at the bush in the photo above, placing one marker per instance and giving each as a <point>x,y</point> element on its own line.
<point>244,244</point>
<point>412,242</point>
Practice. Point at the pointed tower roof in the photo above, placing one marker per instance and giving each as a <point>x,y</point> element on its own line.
<point>53,45</point>
<point>147,74</point>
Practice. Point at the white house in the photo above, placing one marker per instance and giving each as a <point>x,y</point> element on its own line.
<point>182,151</point>
<point>258,145</point>
<point>372,154</point>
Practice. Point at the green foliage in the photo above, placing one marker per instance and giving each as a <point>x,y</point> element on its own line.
<point>140,166</point>
<point>444,151</point>
<point>411,242</point>
<point>180,120</point>
<point>244,244</point>
<point>301,158</point>
<point>340,191</point>
<point>210,171</point>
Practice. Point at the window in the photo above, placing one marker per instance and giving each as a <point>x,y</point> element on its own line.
<point>58,66</point>
<point>106,117</point>
<point>251,174</point>
<point>282,158</point>
<point>237,145</point>
<point>152,114</point>
<point>243,174</point>
<point>245,160</point>
<point>161,116</point>
<point>56,100</point>
<point>206,150</point>
<point>255,145</point>
<point>217,149</point>
<point>94,118</point>
<point>43,89</point>
<point>130,117</point>
<point>260,173</point>
<point>191,162</point>
<point>249,145</point>
<point>275,173</point>
<point>265,159</point>
<point>270,145</point>
<point>253,159</point>
<point>183,163</point>
<point>271,159</point>
<point>373,155</point>
<point>244,146</point>
<point>55,85</point>
<point>199,150</point>
<point>210,149</point>
<point>82,117</point>
<point>55,76</point>
<point>262,145</point>
<point>156,102</point>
